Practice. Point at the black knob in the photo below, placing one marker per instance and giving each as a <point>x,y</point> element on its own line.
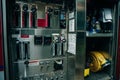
<point>33,9</point>
<point>49,9</point>
<point>26,62</point>
<point>25,7</point>
<point>17,7</point>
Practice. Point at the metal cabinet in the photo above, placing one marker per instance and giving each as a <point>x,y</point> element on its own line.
<point>52,40</point>
<point>92,35</point>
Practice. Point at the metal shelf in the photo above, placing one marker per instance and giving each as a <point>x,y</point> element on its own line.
<point>39,2</point>
<point>99,34</point>
<point>40,60</point>
<point>98,76</point>
<point>35,29</point>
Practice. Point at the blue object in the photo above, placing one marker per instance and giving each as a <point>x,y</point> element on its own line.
<point>1,67</point>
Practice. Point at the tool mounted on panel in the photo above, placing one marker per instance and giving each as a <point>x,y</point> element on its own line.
<point>33,16</point>
<point>61,44</point>
<point>25,16</point>
<point>48,14</point>
<point>26,67</point>
<point>18,49</point>
<point>22,49</point>
<point>63,17</point>
<point>17,12</point>
<point>58,44</point>
<point>55,44</point>
<point>46,21</point>
<point>26,50</point>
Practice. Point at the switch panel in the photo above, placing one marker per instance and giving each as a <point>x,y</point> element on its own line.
<point>47,40</point>
<point>38,40</point>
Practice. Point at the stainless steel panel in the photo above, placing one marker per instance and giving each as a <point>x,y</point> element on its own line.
<point>42,67</point>
<point>5,39</point>
<point>40,55</point>
<point>81,14</point>
<point>71,67</point>
<point>80,39</point>
<point>117,72</point>
<point>80,55</point>
<point>40,51</point>
<point>76,62</point>
<point>28,32</point>
<point>115,38</point>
